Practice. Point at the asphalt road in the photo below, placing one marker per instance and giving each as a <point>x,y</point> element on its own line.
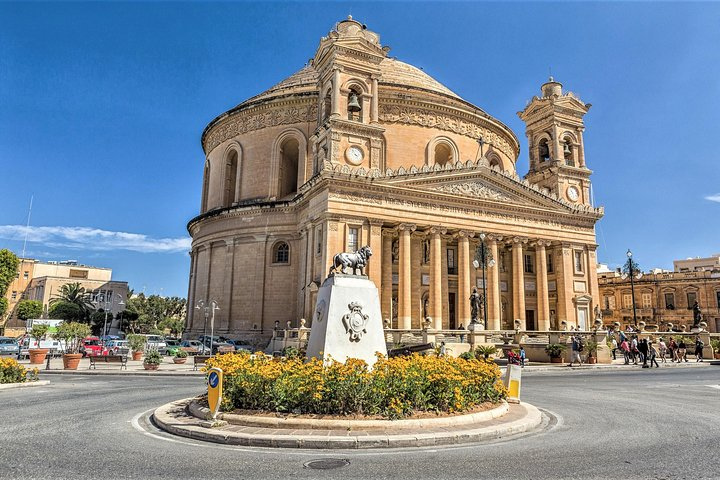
<point>659,424</point>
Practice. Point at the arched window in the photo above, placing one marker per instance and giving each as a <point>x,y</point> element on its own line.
<point>543,150</point>
<point>231,164</point>
<point>568,152</point>
<point>327,106</point>
<point>441,151</point>
<point>494,160</point>
<point>354,107</point>
<point>289,156</point>
<point>281,253</point>
<point>443,154</point>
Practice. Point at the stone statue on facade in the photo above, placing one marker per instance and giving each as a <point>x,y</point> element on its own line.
<point>357,261</point>
<point>475,303</point>
<point>697,314</point>
<point>598,313</point>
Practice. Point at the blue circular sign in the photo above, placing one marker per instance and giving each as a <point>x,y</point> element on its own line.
<point>213,379</point>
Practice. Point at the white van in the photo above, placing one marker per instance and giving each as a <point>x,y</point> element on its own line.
<point>154,342</point>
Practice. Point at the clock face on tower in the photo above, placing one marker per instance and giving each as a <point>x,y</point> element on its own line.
<point>354,155</point>
<point>573,194</point>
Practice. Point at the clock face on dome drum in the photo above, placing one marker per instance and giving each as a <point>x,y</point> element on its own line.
<point>573,194</point>
<point>354,155</point>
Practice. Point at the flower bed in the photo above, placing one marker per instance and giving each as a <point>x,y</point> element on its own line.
<point>394,388</point>
<point>12,372</point>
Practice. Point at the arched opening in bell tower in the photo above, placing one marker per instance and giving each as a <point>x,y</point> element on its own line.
<point>289,156</point>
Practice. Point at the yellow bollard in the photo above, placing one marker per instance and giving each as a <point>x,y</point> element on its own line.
<point>513,376</point>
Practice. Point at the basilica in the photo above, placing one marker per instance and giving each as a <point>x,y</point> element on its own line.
<point>360,149</point>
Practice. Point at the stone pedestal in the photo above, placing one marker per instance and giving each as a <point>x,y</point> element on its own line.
<point>347,322</point>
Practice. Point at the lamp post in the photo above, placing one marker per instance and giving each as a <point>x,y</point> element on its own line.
<point>206,309</point>
<point>631,269</point>
<point>483,259</point>
<point>212,304</point>
<point>108,301</point>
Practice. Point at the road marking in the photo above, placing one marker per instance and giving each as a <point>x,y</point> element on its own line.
<point>713,386</point>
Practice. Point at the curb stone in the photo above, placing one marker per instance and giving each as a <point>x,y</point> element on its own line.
<point>174,418</point>
<point>37,383</point>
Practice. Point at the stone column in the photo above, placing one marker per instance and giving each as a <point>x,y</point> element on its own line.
<point>557,148</point>
<point>405,284</point>
<point>374,102</point>
<point>518,283</point>
<point>386,282</point>
<point>464,277</point>
<point>336,93</point>
<point>543,301</point>
<point>581,150</point>
<point>225,319</point>
<point>493,286</point>
<point>592,280</point>
<point>436,283</point>
<point>565,286</point>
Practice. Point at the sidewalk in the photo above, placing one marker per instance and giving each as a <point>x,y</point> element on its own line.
<point>618,364</point>
<point>167,368</point>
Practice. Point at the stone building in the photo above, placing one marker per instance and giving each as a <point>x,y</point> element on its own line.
<point>662,297</point>
<point>358,148</point>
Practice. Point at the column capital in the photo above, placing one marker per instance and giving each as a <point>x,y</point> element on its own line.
<point>517,240</point>
<point>389,232</point>
<point>436,230</point>
<point>540,243</point>
<point>375,221</point>
<point>463,234</point>
<point>407,226</point>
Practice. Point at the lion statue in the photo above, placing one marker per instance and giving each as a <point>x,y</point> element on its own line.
<point>357,260</point>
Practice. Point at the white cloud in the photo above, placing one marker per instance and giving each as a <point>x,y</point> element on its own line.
<point>713,198</point>
<point>85,238</point>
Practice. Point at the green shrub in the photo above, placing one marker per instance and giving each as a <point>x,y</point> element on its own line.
<point>555,350</point>
<point>137,342</point>
<point>483,352</point>
<point>72,333</point>
<point>153,357</point>
<point>181,354</point>
<point>38,331</point>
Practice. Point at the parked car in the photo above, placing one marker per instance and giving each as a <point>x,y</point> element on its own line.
<point>154,342</point>
<point>194,347</point>
<point>8,346</point>
<point>92,346</point>
<point>26,342</point>
<point>170,348</point>
<point>219,344</point>
<point>118,347</point>
<point>241,346</point>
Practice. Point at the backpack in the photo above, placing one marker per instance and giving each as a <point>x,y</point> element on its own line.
<point>581,345</point>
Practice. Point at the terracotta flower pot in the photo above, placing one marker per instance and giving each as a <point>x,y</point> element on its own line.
<point>137,355</point>
<point>149,366</point>
<point>37,355</point>
<point>179,361</point>
<point>556,359</point>
<point>591,360</point>
<point>71,361</point>
<point>717,356</point>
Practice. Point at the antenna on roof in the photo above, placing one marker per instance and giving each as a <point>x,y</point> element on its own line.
<point>27,227</point>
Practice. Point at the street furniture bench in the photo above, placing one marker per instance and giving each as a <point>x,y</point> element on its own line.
<point>199,361</point>
<point>95,359</point>
<point>409,350</point>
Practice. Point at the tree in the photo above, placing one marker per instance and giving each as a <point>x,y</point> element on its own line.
<point>3,307</point>
<point>65,311</point>
<point>29,309</point>
<point>9,263</point>
<point>147,314</point>
<point>75,293</point>
<point>175,325</point>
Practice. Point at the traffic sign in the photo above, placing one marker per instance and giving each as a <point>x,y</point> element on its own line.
<point>215,384</point>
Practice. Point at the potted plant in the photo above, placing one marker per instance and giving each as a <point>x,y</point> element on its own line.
<point>38,332</point>
<point>137,345</point>
<point>715,344</point>
<point>592,348</point>
<point>555,351</point>
<point>180,357</point>
<point>153,359</point>
<point>485,351</point>
<point>72,335</point>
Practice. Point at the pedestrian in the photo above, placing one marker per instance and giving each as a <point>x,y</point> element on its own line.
<point>681,351</point>
<point>625,347</point>
<point>462,335</point>
<point>443,350</point>
<point>699,345</point>
<point>576,348</point>
<point>672,349</point>
<point>662,349</point>
<point>643,348</point>
<point>634,349</point>
<point>651,353</point>
<point>522,357</point>
<point>614,347</point>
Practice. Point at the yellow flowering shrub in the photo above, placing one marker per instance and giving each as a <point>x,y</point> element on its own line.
<point>394,388</point>
<point>12,372</point>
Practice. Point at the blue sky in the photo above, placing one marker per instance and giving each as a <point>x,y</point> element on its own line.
<point>102,106</point>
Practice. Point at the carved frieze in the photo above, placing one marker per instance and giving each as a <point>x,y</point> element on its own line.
<point>411,115</point>
<point>473,189</point>
<point>254,119</point>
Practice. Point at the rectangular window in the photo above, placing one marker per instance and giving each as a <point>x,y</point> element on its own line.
<point>691,298</point>
<point>718,298</point>
<point>14,295</point>
<point>318,240</point>
<point>26,274</point>
<point>669,301</point>
<point>452,268</point>
<point>610,302</point>
<point>646,300</point>
<point>353,239</point>
<point>627,300</point>
<point>528,265</point>
<point>578,261</point>
<point>78,274</point>
<point>549,263</point>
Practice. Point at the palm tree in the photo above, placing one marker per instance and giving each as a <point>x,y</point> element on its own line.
<point>75,293</point>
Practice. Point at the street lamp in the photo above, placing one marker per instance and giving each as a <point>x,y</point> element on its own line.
<point>206,310</point>
<point>632,269</point>
<point>483,259</point>
<point>108,301</point>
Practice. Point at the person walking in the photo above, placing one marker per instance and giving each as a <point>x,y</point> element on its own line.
<point>522,357</point>
<point>699,345</point>
<point>643,348</point>
<point>625,347</point>
<point>651,353</point>
<point>662,350</point>
<point>576,348</point>
<point>681,351</point>
<point>672,349</point>
<point>614,347</point>
<point>634,349</point>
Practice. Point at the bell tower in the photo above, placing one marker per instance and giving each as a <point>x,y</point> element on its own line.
<point>554,127</point>
<point>348,65</point>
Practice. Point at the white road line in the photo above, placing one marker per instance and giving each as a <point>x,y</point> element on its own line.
<point>713,386</point>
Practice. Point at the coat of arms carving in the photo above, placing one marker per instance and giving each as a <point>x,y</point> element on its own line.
<point>355,322</point>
